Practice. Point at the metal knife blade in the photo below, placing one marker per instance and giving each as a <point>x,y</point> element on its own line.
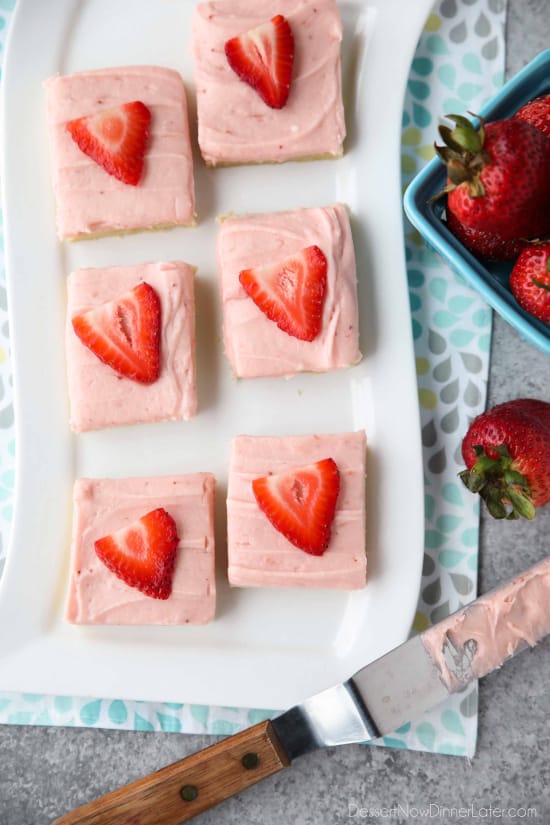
<point>419,674</point>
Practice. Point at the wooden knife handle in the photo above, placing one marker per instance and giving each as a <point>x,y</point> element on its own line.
<point>177,793</point>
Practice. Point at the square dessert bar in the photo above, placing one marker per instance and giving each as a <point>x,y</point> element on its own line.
<point>98,396</point>
<point>235,124</point>
<point>103,506</point>
<point>91,202</point>
<point>260,556</point>
<point>254,344</point>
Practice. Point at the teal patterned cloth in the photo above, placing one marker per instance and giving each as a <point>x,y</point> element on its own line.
<point>458,65</point>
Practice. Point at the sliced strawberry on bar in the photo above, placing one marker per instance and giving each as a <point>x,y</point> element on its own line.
<point>291,292</point>
<point>300,503</point>
<point>143,554</point>
<point>116,139</point>
<point>125,333</point>
<point>263,58</point>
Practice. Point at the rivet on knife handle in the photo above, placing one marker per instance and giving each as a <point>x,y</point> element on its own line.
<point>181,791</point>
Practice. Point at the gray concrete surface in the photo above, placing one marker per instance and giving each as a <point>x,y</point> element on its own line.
<point>46,771</point>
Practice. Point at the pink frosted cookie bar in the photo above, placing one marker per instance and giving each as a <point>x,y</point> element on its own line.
<point>98,396</point>
<point>260,556</point>
<point>235,125</point>
<point>90,201</point>
<point>103,506</point>
<point>254,344</point>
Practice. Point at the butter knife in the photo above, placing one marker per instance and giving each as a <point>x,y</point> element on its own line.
<point>379,698</point>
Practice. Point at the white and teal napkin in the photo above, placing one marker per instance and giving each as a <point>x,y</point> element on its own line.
<point>458,65</point>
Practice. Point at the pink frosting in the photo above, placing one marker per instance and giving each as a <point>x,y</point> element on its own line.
<point>260,556</point>
<point>479,638</point>
<point>99,397</point>
<point>102,506</point>
<point>89,200</point>
<point>235,125</point>
<point>254,345</point>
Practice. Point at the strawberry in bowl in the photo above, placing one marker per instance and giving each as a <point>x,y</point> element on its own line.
<point>537,113</point>
<point>498,182</point>
<point>530,280</point>
<point>490,198</point>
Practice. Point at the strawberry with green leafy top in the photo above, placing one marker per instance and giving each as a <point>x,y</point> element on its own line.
<point>498,177</point>
<point>507,455</point>
<point>530,280</point>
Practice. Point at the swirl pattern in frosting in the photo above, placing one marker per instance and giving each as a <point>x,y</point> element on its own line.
<point>102,506</point>
<point>254,345</point>
<point>235,125</point>
<point>91,202</point>
<point>98,396</point>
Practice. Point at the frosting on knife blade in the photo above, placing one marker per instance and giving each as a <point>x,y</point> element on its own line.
<point>479,638</point>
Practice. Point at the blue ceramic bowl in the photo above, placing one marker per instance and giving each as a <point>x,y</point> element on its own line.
<point>490,279</point>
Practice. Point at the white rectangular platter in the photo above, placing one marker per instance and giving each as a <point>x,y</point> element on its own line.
<point>267,648</point>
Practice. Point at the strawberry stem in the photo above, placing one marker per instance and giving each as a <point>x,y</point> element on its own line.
<point>504,490</point>
<point>463,154</point>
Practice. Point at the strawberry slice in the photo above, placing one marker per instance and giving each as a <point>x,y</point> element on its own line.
<point>300,503</point>
<point>125,333</point>
<point>116,139</point>
<point>291,292</point>
<point>263,58</point>
<point>143,554</point>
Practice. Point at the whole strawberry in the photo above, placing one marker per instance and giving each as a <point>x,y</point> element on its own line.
<point>507,454</point>
<point>498,177</point>
<point>537,113</point>
<point>484,244</point>
<point>530,280</point>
